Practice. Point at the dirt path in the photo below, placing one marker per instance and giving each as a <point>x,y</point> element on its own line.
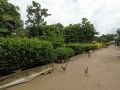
<point>104,74</point>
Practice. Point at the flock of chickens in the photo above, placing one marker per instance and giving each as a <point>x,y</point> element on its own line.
<point>64,67</point>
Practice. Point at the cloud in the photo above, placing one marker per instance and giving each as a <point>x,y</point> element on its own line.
<point>104,14</point>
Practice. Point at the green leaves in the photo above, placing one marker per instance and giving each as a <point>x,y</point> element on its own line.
<point>118,37</point>
<point>54,34</point>
<point>118,31</point>
<point>80,33</point>
<point>24,53</point>
<point>71,33</point>
<point>80,48</point>
<point>64,54</point>
<point>35,22</point>
<point>9,16</point>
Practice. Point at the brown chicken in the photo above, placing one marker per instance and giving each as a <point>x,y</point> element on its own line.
<point>64,67</point>
<point>86,71</point>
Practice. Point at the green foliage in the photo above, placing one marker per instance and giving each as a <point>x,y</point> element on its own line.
<point>111,37</point>
<point>76,47</point>
<point>9,17</point>
<point>118,31</point>
<point>98,45</point>
<point>71,33</point>
<point>80,48</point>
<point>24,53</point>
<point>80,33</point>
<point>55,41</point>
<point>22,33</point>
<point>64,54</point>
<point>35,22</point>
<point>3,30</point>
<point>118,37</point>
<point>106,38</point>
<point>54,34</point>
<point>105,45</point>
<point>88,31</point>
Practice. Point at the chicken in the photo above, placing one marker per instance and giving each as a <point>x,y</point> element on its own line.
<point>86,71</point>
<point>64,67</point>
<point>89,53</point>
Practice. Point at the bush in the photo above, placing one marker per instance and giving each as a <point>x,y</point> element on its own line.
<point>55,41</point>
<point>24,53</point>
<point>76,47</point>
<point>80,48</point>
<point>64,54</point>
<point>105,45</point>
<point>98,45</point>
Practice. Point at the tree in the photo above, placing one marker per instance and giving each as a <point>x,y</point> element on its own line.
<point>80,33</point>
<point>118,38</point>
<point>88,31</point>
<point>106,38</point>
<point>118,31</point>
<point>36,22</point>
<point>72,33</point>
<point>111,37</point>
<point>102,39</point>
<point>54,34</point>
<point>10,19</point>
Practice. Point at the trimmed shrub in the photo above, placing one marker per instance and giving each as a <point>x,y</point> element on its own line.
<point>105,45</point>
<point>98,45</point>
<point>64,54</point>
<point>24,53</point>
<point>80,48</point>
<point>76,47</point>
<point>55,41</point>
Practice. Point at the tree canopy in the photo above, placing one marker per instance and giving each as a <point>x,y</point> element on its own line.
<point>118,38</point>
<point>9,17</point>
<point>36,22</point>
<point>54,34</point>
<point>80,33</point>
<point>118,31</point>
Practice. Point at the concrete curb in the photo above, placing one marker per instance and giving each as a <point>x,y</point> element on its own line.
<point>25,79</point>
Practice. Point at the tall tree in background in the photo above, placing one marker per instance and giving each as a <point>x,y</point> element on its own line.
<point>54,34</point>
<point>88,31</point>
<point>118,38</point>
<point>118,31</point>
<point>36,22</point>
<point>72,33</point>
<point>10,19</point>
<point>80,33</point>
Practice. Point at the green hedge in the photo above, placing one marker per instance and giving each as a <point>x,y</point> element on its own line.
<point>80,48</point>
<point>23,53</point>
<point>105,45</point>
<point>63,54</point>
<point>56,42</point>
<point>76,47</point>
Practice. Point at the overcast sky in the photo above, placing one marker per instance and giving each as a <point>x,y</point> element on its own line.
<point>104,14</point>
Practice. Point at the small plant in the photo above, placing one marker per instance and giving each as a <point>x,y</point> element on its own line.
<point>64,54</point>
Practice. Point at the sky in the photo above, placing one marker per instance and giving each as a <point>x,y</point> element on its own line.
<point>104,14</point>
